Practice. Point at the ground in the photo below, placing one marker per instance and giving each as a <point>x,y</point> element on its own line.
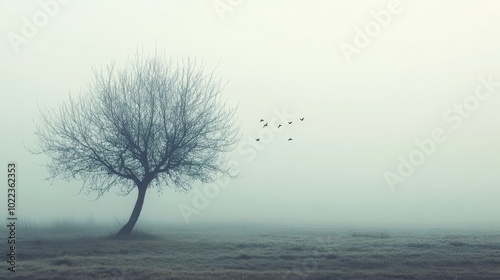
<point>256,252</point>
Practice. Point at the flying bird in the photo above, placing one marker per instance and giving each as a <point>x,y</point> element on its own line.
<point>279,126</point>
<point>257,139</point>
<point>264,125</point>
<point>261,120</point>
<point>290,139</point>
<point>302,119</point>
<point>289,122</point>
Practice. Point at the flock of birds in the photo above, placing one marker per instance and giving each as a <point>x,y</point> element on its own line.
<point>266,124</point>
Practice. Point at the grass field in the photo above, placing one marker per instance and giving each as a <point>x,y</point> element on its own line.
<point>72,251</point>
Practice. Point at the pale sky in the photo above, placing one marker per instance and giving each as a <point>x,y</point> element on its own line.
<point>369,86</point>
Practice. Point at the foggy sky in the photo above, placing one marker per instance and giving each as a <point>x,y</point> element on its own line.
<point>284,59</point>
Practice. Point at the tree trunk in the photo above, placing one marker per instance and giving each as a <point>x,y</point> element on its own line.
<point>127,228</point>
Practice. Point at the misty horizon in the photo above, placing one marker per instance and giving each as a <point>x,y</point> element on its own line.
<point>371,101</point>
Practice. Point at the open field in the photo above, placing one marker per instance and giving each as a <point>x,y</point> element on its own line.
<point>255,252</point>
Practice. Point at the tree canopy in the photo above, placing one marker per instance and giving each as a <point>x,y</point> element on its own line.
<point>155,122</point>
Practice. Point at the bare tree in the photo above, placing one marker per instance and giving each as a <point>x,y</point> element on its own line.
<point>153,123</point>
